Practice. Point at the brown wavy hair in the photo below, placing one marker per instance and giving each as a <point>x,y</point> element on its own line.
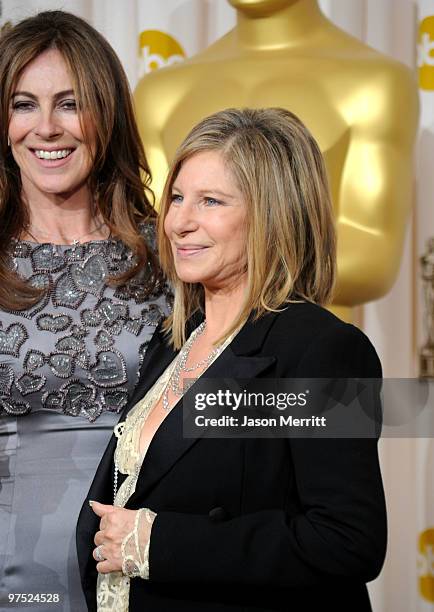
<point>120,175</point>
<point>291,240</point>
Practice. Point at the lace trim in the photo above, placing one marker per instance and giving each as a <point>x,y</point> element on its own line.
<point>113,589</point>
<point>135,546</point>
<point>127,454</point>
<point>113,595</point>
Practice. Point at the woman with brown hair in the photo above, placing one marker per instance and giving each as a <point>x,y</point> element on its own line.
<point>184,523</point>
<point>80,289</point>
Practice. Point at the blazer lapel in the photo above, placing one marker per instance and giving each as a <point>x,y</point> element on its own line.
<point>168,444</point>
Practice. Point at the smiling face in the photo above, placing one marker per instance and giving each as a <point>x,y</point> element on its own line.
<point>206,224</point>
<point>45,134</point>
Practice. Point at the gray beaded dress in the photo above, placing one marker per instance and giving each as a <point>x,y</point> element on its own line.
<point>67,367</point>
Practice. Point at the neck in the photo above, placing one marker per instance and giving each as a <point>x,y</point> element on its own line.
<point>286,28</point>
<point>60,219</point>
<point>222,310</point>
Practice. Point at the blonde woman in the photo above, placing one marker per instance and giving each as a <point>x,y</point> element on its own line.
<point>247,238</point>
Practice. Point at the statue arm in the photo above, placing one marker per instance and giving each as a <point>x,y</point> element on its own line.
<point>375,194</point>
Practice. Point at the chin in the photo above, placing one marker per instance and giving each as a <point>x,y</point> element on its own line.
<point>56,187</point>
<point>53,190</point>
<point>192,279</point>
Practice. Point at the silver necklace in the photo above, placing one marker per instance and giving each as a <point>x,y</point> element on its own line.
<point>174,382</point>
<point>73,241</point>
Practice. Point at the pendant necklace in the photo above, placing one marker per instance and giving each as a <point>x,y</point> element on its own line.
<point>174,382</point>
<point>72,241</point>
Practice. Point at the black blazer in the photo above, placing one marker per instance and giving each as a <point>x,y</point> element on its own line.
<point>256,524</point>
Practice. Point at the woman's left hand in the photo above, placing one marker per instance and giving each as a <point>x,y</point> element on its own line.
<point>116,523</point>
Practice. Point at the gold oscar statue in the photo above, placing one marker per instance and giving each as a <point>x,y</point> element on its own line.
<point>361,106</point>
<point>427,351</point>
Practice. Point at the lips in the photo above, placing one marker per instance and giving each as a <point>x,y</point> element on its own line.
<point>189,250</point>
<point>52,158</point>
<point>52,153</point>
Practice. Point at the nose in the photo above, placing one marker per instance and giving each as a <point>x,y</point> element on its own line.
<point>183,219</point>
<point>47,127</point>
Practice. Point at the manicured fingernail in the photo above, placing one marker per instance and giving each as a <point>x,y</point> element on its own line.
<point>91,502</point>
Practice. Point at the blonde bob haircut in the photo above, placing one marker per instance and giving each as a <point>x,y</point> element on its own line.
<point>291,240</point>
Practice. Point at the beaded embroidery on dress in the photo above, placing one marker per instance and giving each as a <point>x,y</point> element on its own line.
<point>67,367</point>
<point>76,350</point>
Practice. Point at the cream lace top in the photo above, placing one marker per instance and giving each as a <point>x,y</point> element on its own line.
<point>113,588</point>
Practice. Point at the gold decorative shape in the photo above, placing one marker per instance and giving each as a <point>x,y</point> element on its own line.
<point>158,50</point>
<point>425,56</point>
<point>426,564</point>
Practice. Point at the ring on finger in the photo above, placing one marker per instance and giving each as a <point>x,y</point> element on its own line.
<point>98,554</point>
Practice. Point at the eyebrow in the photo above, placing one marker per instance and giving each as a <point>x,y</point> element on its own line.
<point>27,94</point>
<point>208,192</point>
